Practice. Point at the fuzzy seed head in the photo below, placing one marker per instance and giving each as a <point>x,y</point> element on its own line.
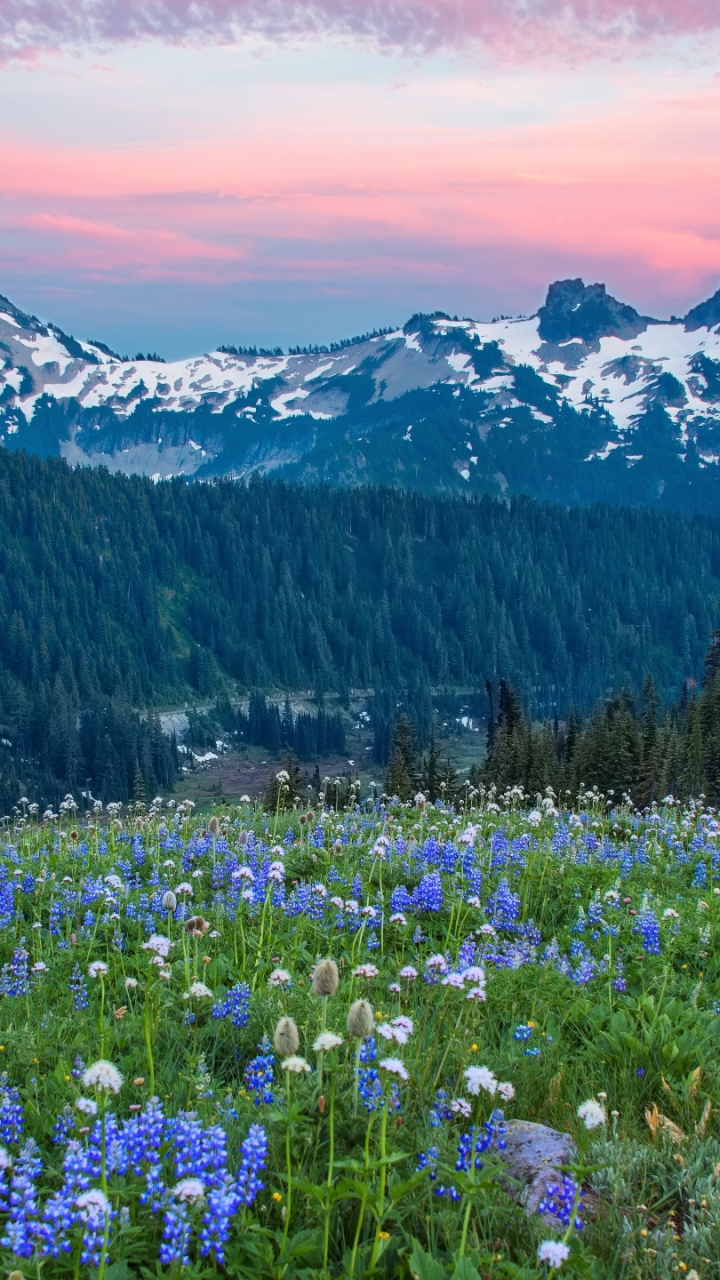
<point>169,901</point>
<point>214,825</point>
<point>325,979</point>
<point>360,1021</point>
<point>286,1040</point>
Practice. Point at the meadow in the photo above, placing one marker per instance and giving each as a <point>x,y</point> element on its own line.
<point>294,1044</point>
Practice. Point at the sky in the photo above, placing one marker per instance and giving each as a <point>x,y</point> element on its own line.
<point>177,174</point>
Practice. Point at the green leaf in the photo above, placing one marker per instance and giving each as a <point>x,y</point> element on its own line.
<point>465,1271</point>
<point>423,1266</point>
<point>117,1271</point>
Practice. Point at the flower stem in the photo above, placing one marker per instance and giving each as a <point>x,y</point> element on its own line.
<point>288,1164</point>
<point>331,1161</point>
<point>383,1179</point>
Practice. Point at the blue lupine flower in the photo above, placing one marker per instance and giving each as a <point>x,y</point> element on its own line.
<point>78,988</point>
<point>64,1125</point>
<point>259,1077</point>
<point>15,979</point>
<point>480,1139</point>
<point>559,1200</point>
<point>700,878</point>
<point>235,1005</point>
<point>12,1120</point>
<point>254,1152</point>
<point>19,1235</point>
<point>428,895</point>
<point>175,1243</point>
<point>649,927</point>
<point>440,1110</point>
<point>522,1032</point>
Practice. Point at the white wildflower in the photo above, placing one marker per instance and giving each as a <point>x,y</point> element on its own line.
<point>592,1114</point>
<point>87,1106</point>
<point>480,1078</point>
<point>279,978</point>
<point>198,991</point>
<point>295,1065</point>
<point>553,1251</point>
<point>92,1205</point>
<point>327,1041</point>
<point>461,1107</point>
<point>506,1090</point>
<point>190,1191</point>
<point>97,969</point>
<point>103,1076</point>
<point>159,944</point>
<point>394,1067</point>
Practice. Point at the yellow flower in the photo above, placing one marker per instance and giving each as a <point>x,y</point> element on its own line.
<point>531,1024</point>
<point>276,1197</point>
<point>383,1235</point>
<point>67,1079</point>
<point>474,1048</point>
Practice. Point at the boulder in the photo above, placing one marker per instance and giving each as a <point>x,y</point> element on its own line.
<point>533,1157</point>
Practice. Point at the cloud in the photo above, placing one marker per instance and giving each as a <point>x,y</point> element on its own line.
<point>515,28</point>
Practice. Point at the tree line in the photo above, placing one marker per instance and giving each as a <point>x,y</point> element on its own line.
<point>119,596</point>
<point>625,747</point>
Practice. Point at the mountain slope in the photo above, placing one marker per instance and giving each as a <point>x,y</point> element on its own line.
<point>588,399</point>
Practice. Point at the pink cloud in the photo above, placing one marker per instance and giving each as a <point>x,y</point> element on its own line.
<point>94,242</point>
<point>511,26</point>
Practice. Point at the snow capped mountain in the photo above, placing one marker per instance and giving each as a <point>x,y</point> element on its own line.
<point>585,399</point>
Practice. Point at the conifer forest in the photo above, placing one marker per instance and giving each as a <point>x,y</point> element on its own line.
<point>448,1012</point>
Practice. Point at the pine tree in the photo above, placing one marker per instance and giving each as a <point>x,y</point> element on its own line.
<point>649,783</point>
<point>400,778</point>
<point>431,774</point>
<point>692,770</point>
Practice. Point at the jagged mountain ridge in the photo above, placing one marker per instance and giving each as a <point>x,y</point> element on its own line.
<point>587,399</point>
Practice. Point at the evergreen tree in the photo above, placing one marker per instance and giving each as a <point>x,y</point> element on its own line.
<point>400,779</point>
<point>431,776</point>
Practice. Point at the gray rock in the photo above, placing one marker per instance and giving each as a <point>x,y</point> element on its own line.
<point>533,1157</point>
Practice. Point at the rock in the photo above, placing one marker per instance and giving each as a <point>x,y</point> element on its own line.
<point>533,1157</point>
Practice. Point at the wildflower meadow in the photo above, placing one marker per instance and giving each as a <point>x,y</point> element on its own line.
<point>303,1044</point>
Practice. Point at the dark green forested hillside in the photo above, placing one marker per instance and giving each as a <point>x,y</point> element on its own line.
<point>117,594</point>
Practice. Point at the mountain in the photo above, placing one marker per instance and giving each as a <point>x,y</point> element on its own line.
<point>587,400</point>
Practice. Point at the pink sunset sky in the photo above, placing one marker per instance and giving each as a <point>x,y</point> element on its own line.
<point>174,175</point>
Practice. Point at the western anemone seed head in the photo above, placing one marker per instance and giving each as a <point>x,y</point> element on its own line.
<point>196,926</point>
<point>360,1021</point>
<point>325,979</point>
<point>286,1039</point>
<point>214,825</point>
<point>169,902</point>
